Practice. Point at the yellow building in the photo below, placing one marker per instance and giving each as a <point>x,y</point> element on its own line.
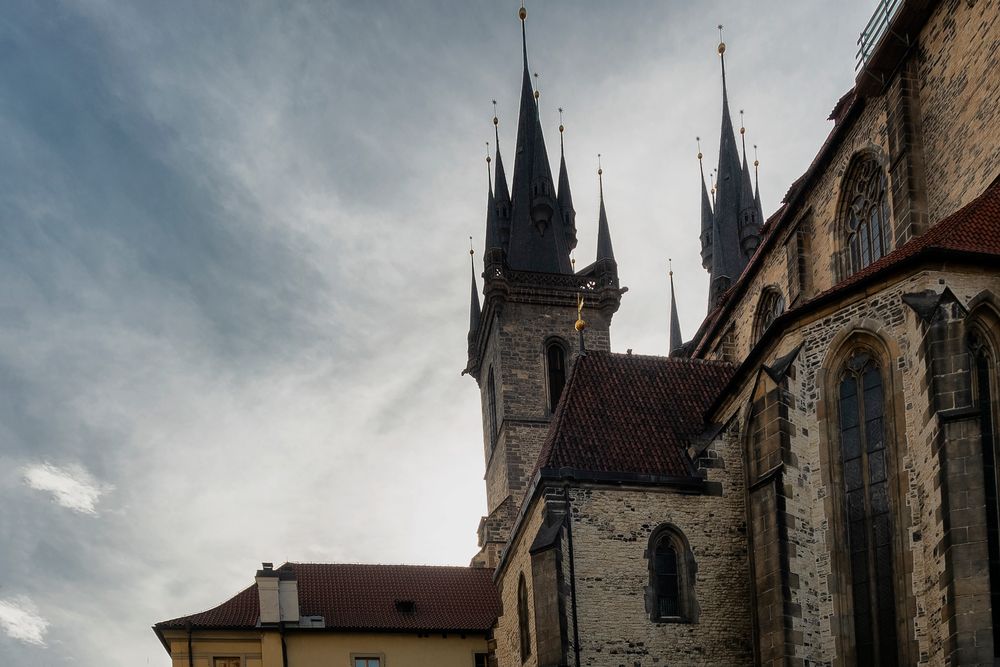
<point>323,615</point>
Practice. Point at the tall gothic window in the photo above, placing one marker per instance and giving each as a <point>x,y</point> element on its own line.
<point>524,632</point>
<point>491,400</point>
<point>983,362</point>
<point>770,306</point>
<point>555,361</point>
<point>865,459</point>
<point>866,214</point>
<point>671,596</point>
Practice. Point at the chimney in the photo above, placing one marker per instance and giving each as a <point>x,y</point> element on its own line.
<point>279,595</point>
<point>267,590</point>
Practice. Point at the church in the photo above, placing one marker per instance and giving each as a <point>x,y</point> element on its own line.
<point>810,478</point>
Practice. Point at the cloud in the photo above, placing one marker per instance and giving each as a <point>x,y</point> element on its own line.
<point>19,619</point>
<point>72,487</point>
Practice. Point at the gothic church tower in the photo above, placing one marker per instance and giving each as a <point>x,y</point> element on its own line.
<point>522,341</point>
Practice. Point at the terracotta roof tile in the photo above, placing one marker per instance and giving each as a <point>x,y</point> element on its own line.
<point>363,597</point>
<point>632,414</point>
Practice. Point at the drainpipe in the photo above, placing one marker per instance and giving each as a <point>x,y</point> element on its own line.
<point>572,573</point>
<point>187,626</point>
<point>284,648</point>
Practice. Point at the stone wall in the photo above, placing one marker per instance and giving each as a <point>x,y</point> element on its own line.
<point>806,503</point>
<point>934,128</point>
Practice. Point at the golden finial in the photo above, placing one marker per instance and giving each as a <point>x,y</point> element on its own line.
<point>488,160</point>
<point>572,261</point>
<point>756,162</point>
<point>743,130</point>
<point>471,250</point>
<point>600,171</point>
<point>580,324</point>
<point>670,267</point>
<point>722,44</point>
<point>561,128</point>
<point>711,179</point>
<point>698,141</point>
<point>496,121</point>
<point>523,13</point>
<point>536,85</point>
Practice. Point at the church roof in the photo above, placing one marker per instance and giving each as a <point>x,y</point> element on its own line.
<point>631,414</point>
<point>363,597</point>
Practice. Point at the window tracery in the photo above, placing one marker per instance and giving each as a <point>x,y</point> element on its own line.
<point>670,577</point>
<point>864,456</point>
<point>866,214</point>
<point>770,306</point>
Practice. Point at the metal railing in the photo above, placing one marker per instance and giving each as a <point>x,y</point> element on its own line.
<point>876,28</point>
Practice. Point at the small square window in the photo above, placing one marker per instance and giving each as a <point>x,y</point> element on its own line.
<point>226,662</point>
<point>367,662</point>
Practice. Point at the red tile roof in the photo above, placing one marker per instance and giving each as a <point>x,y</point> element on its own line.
<point>363,597</point>
<point>973,229</point>
<point>631,414</point>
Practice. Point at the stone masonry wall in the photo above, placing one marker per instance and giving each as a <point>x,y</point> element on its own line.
<point>820,634</point>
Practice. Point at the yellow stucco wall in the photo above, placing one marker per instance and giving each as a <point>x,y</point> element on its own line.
<point>327,649</point>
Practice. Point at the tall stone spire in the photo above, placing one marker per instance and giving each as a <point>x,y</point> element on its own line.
<point>675,324</point>
<point>537,229</point>
<point>707,217</point>
<point>729,257</point>
<point>565,195</point>
<point>604,248</point>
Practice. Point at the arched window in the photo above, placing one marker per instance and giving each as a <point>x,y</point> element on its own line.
<point>866,213</point>
<point>524,632</point>
<point>864,456</point>
<point>983,363</point>
<point>770,306</point>
<point>671,565</point>
<point>491,399</point>
<point>555,362</point>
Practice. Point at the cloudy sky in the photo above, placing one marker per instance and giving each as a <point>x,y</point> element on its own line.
<point>234,269</point>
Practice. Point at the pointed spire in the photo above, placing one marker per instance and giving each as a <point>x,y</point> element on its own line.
<point>475,313</point>
<point>565,195</point>
<point>749,220</point>
<point>728,255</point>
<point>537,235</point>
<point>604,249</point>
<point>492,221</point>
<point>502,197</point>
<point>756,185</point>
<point>707,216</point>
<point>675,324</point>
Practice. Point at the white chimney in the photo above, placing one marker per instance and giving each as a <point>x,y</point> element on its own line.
<point>267,591</point>
<point>279,595</point>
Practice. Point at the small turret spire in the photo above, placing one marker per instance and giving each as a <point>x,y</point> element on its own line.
<point>502,197</point>
<point>475,312</point>
<point>756,185</point>
<point>707,216</point>
<point>604,248</point>
<point>492,219</point>
<point>565,195</point>
<point>675,324</point>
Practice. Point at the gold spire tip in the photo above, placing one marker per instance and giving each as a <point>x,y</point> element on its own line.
<point>472,250</point>
<point>561,128</point>
<point>698,141</point>
<point>522,13</point>
<point>600,170</point>
<point>722,43</point>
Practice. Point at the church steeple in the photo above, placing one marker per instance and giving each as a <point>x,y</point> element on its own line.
<point>604,248</point>
<point>675,324</point>
<point>537,230</point>
<point>734,238</point>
